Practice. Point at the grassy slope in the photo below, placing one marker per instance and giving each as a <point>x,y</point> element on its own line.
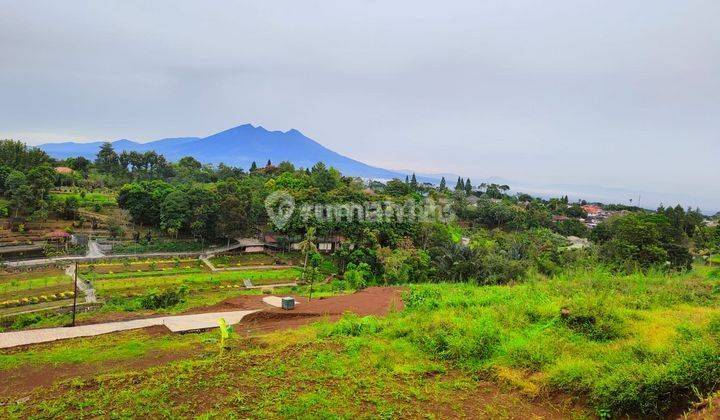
<point>636,344</point>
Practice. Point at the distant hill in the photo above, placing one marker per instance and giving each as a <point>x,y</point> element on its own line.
<point>238,146</point>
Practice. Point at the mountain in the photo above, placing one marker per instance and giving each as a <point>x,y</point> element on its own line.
<point>238,146</point>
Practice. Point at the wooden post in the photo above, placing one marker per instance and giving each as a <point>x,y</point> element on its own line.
<point>75,295</point>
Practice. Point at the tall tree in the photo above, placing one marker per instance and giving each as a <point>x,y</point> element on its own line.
<point>443,185</point>
<point>460,186</point>
<point>19,192</point>
<point>107,161</point>
<point>253,167</point>
<point>468,187</point>
<point>413,181</point>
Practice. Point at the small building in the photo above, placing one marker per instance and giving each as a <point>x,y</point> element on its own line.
<point>592,210</point>
<point>63,170</point>
<point>331,243</point>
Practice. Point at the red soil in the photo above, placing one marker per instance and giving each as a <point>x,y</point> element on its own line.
<point>371,301</point>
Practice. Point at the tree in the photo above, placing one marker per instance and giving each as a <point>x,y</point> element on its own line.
<point>190,162</point>
<point>41,180</point>
<point>4,173</point>
<point>460,186</point>
<point>576,211</point>
<point>323,178</point>
<point>643,241</point>
<point>107,161</point>
<point>397,188</point>
<point>468,187</point>
<point>413,181</point>
<point>80,164</point>
<point>572,227</point>
<point>443,187</point>
<point>70,207</point>
<point>498,215</point>
<point>174,212</point>
<point>233,210</point>
<point>143,200</point>
<point>253,167</point>
<point>18,156</point>
<point>19,192</point>
<point>307,246</point>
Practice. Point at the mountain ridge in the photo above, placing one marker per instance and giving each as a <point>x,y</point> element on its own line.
<point>237,146</point>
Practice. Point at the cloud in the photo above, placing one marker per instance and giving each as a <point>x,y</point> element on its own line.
<point>622,94</point>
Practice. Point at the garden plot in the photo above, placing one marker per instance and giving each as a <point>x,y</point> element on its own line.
<point>21,292</point>
<point>196,279</point>
<point>254,260</point>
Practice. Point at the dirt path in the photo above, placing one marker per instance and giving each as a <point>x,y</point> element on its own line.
<point>371,301</point>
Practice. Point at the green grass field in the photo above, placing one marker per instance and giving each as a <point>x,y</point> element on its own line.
<point>583,344</point>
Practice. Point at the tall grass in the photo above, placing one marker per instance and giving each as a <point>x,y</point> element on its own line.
<point>637,344</point>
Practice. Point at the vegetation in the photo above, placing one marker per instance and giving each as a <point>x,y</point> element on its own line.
<point>157,246</point>
<point>627,325</point>
<point>635,344</point>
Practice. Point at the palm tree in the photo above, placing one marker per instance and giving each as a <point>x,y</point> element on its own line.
<point>307,246</point>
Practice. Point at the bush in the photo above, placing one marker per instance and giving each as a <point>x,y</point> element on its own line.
<point>155,299</point>
<point>352,325</point>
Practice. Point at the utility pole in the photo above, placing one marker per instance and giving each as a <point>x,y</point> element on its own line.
<point>75,295</point>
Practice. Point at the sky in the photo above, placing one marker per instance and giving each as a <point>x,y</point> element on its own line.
<point>614,94</point>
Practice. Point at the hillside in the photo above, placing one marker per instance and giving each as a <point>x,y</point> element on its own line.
<point>238,146</point>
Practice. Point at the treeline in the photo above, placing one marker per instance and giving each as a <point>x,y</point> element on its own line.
<point>497,236</point>
<point>26,178</point>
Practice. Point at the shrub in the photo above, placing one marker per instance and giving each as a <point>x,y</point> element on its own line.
<point>353,325</point>
<point>422,298</point>
<point>155,299</point>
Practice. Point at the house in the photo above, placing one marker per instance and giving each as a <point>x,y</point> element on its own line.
<point>592,210</point>
<point>63,170</point>
<point>251,245</point>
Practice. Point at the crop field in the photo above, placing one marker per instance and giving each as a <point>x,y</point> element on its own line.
<point>157,246</point>
<point>244,260</point>
<point>582,344</point>
<point>122,286</point>
<point>140,264</point>
<point>20,291</point>
<point>195,278</point>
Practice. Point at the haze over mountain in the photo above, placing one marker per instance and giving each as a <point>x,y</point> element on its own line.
<point>241,145</point>
<point>238,146</point>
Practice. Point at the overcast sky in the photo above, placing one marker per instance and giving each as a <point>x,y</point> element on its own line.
<point>621,94</point>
